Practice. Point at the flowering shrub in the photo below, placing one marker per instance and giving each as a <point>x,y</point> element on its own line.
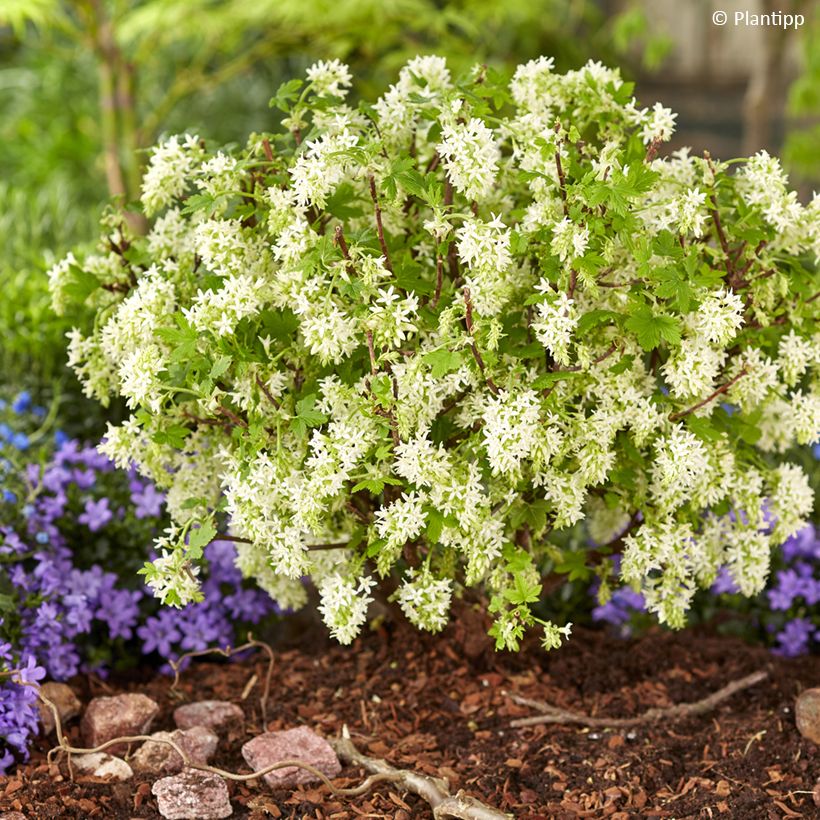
<point>65,524</point>
<point>436,337</point>
<point>786,611</point>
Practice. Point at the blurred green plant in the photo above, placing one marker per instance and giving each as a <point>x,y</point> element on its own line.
<point>151,55</point>
<point>802,148</point>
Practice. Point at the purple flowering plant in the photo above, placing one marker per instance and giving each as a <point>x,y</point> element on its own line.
<point>73,532</point>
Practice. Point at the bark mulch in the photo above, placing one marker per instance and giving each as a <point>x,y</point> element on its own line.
<point>438,705</point>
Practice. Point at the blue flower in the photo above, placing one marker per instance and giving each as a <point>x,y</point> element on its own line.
<point>22,402</point>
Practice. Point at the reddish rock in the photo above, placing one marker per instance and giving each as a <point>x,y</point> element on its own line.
<point>192,795</point>
<point>100,764</point>
<point>219,715</point>
<point>807,714</point>
<point>12,815</point>
<point>63,697</point>
<point>198,742</point>
<point>293,744</point>
<point>118,716</point>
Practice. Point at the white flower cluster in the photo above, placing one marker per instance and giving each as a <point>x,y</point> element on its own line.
<point>556,322</point>
<point>344,605</point>
<point>425,600</point>
<point>169,170</point>
<point>470,156</point>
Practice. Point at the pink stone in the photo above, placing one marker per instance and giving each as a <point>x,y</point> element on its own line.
<point>293,744</point>
<point>122,715</point>
<point>807,714</point>
<point>219,715</point>
<point>198,742</point>
<point>65,701</point>
<point>192,795</point>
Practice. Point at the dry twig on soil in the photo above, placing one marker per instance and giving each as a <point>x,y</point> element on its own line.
<point>553,714</point>
<point>432,789</point>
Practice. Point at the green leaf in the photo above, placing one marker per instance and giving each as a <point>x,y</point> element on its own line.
<point>174,436</point>
<point>703,428</point>
<point>375,486</point>
<point>286,94</point>
<point>591,319</point>
<point>81,284</point>
<point>623,364</point>
<point>651,329</point>
<point>199,538</point>
<point>305,411</point>
<point>443,361</point>
<point>574,565</point>
<point>547,379</point>
<point>219,367</point>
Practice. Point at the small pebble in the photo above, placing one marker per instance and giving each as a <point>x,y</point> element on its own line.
<point>219,715</point>
<point>294,744</point>
<point>192,795</point>
<point>807,714</point>
<point>100,764</point>
<point>66,702</point>
<point>122,715</point>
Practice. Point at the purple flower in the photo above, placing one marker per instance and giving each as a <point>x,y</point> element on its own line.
<point>148,501</point>
<point>789,586</point>
<point>724,583</point>
<point>96,514</point>
<point>159,633</point>
<point>794,639</point>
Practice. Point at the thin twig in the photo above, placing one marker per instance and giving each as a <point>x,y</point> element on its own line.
<point>227,652</point>
<point>468,320</point>
<point>554,714</point>
<point>439,281</point>
<point>722,389</point>
<point>268,395</point>
<point>379,226</point>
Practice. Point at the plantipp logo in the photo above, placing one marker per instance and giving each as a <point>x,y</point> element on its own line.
<point>775,19</point>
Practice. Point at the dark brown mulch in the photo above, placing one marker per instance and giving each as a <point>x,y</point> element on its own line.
<point>435,704</point>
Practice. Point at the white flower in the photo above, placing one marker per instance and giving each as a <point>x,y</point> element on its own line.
<point>569,241</point>
<point>168,172</point>
<point>680,464</point>
<point>425,600</point>
<point>330,78</point>
<point>511,427</point>
<point>719,316</point>
<point>791,501</point>
<point>688,211</point>
<point>691,369</point>
<point>659,124</point>
<point>470,157</point>
<point>556,322</point>
<point>344,605</point>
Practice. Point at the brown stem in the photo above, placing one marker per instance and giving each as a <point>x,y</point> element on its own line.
<point>468,320</point>
<point>267,149</point>
<point>722,389</point>
<point>680,711</point>
<point>597,360</point>
<point>439,280</point>
<point>562,182</point>
<point>379,226</point>
<point>268,395</point>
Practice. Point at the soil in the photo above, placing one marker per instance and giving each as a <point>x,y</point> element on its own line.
<point>438,705</point>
